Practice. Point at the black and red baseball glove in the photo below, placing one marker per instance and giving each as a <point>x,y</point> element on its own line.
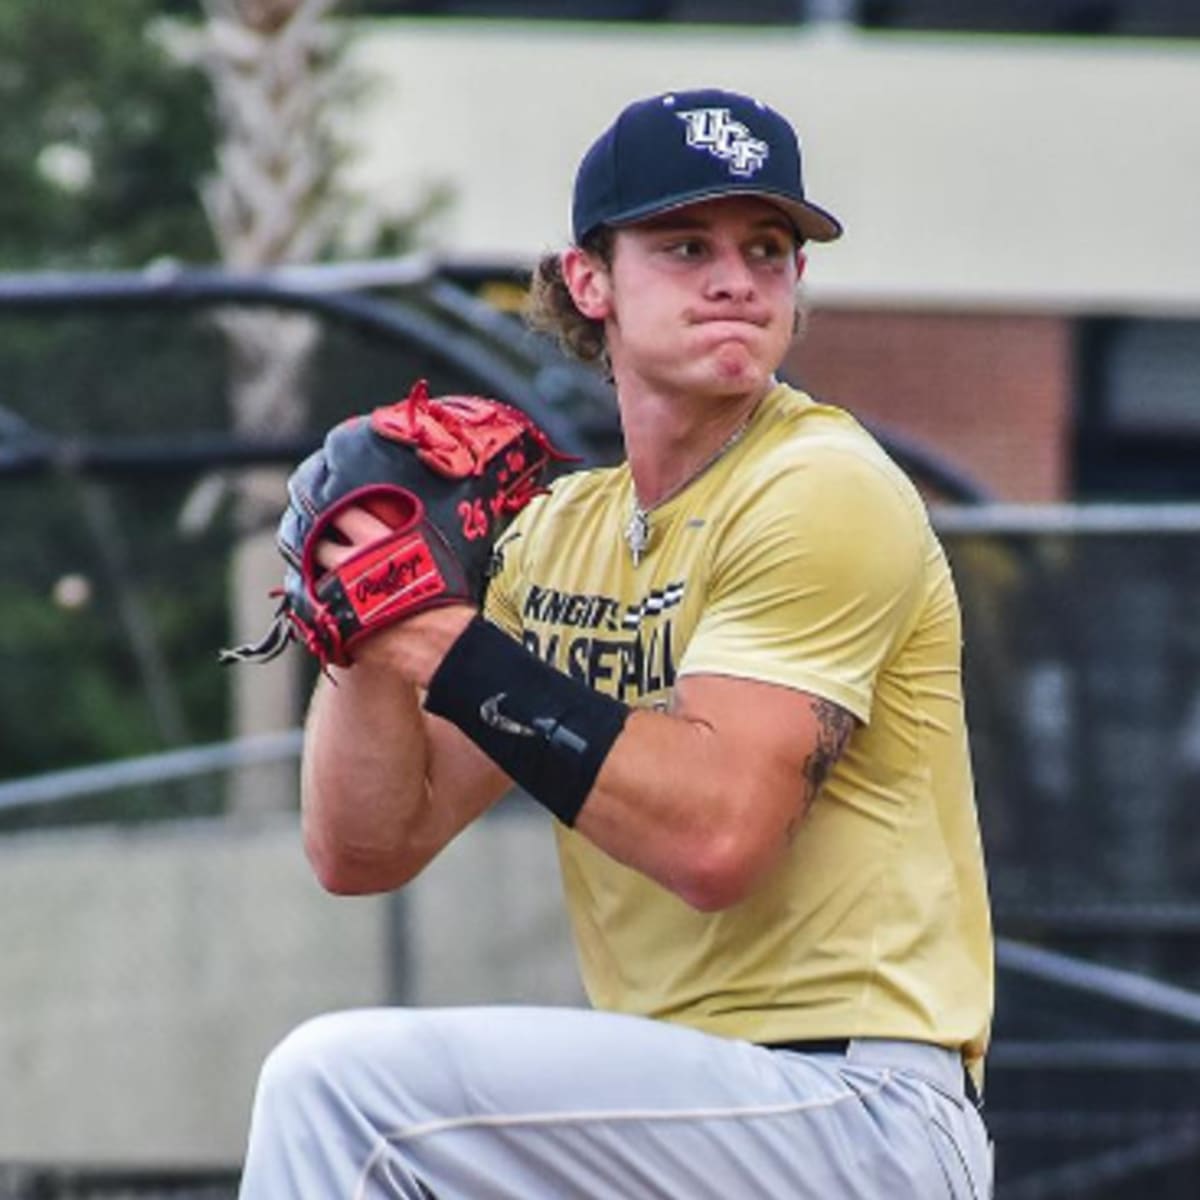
<point>446,475</point>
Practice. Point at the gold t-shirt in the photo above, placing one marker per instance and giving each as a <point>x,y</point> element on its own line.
<point>802,557</point>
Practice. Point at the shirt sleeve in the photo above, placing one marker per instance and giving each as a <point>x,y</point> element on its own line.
<point>818,576</point>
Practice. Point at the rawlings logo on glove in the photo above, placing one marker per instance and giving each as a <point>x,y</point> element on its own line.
<point>444,475</point>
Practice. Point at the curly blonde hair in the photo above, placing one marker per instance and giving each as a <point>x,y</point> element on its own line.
<point>550,308</point>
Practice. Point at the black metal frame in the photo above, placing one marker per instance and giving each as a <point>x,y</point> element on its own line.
<point>36,1182</point>
<point>430,311</point>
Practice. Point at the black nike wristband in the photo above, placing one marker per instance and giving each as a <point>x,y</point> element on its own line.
<point>547,732</point>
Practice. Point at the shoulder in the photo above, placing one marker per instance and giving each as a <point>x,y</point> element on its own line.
<point>817,461</point>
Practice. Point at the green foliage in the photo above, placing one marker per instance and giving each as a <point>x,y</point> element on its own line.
<point>72,691</point>
<point>102,138</point>
<point>75,653</point>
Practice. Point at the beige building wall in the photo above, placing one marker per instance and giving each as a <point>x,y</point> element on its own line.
<point>1025,174</point>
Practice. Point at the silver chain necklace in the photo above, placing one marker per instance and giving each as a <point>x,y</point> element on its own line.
<point>637,528</point>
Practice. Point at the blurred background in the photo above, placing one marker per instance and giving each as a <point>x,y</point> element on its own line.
<point>227,224</point>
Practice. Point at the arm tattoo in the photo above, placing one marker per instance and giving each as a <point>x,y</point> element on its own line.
<point>834,727</point>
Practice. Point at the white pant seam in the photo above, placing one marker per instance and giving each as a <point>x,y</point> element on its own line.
<point>602,1116</point>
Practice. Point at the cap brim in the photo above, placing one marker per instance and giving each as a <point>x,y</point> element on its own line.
<point>812,222</point>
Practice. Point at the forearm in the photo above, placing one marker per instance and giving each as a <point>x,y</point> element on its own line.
<point>673,802</point>
<point>364,779</point>
<point>697,800</point>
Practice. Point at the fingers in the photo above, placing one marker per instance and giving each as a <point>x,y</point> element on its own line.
<point>357,525</point>
<point>352,529</point>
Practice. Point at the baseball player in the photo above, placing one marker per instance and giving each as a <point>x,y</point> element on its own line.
<point>729,668</point>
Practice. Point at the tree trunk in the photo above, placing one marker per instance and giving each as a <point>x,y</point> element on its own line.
<point>269,62</point>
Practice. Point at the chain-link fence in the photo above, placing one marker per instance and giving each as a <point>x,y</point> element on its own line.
<point>1083,670</point>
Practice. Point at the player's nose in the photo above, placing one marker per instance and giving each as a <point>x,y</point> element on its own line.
<point>729,275</point>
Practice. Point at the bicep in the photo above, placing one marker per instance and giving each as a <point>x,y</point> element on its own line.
<point>781,741</point>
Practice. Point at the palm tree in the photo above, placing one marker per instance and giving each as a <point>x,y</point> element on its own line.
<point>271,66</point>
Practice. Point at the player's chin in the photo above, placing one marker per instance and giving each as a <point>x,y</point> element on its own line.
<point>735,363</point>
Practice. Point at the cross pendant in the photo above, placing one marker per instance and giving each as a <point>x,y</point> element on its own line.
<point>637,534</point>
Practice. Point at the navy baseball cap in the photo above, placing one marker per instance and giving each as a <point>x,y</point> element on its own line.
<point>682,147</point>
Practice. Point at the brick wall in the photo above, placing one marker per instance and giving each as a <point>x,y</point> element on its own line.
<point>990,392</point>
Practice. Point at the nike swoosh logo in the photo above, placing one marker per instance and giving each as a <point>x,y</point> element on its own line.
<point>490,714</point>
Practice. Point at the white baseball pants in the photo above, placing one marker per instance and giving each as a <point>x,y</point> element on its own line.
<point>516,1103</point>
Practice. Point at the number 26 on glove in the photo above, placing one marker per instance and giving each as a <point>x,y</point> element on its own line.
<point>474,518</point>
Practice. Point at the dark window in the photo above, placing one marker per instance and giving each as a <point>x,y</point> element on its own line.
<point>1138,427</point>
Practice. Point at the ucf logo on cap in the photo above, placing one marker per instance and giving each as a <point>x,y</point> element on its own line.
<point>714,130</point>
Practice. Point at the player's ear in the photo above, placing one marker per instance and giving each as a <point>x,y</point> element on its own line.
<point>801,261</point>
<point>589,282</point>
